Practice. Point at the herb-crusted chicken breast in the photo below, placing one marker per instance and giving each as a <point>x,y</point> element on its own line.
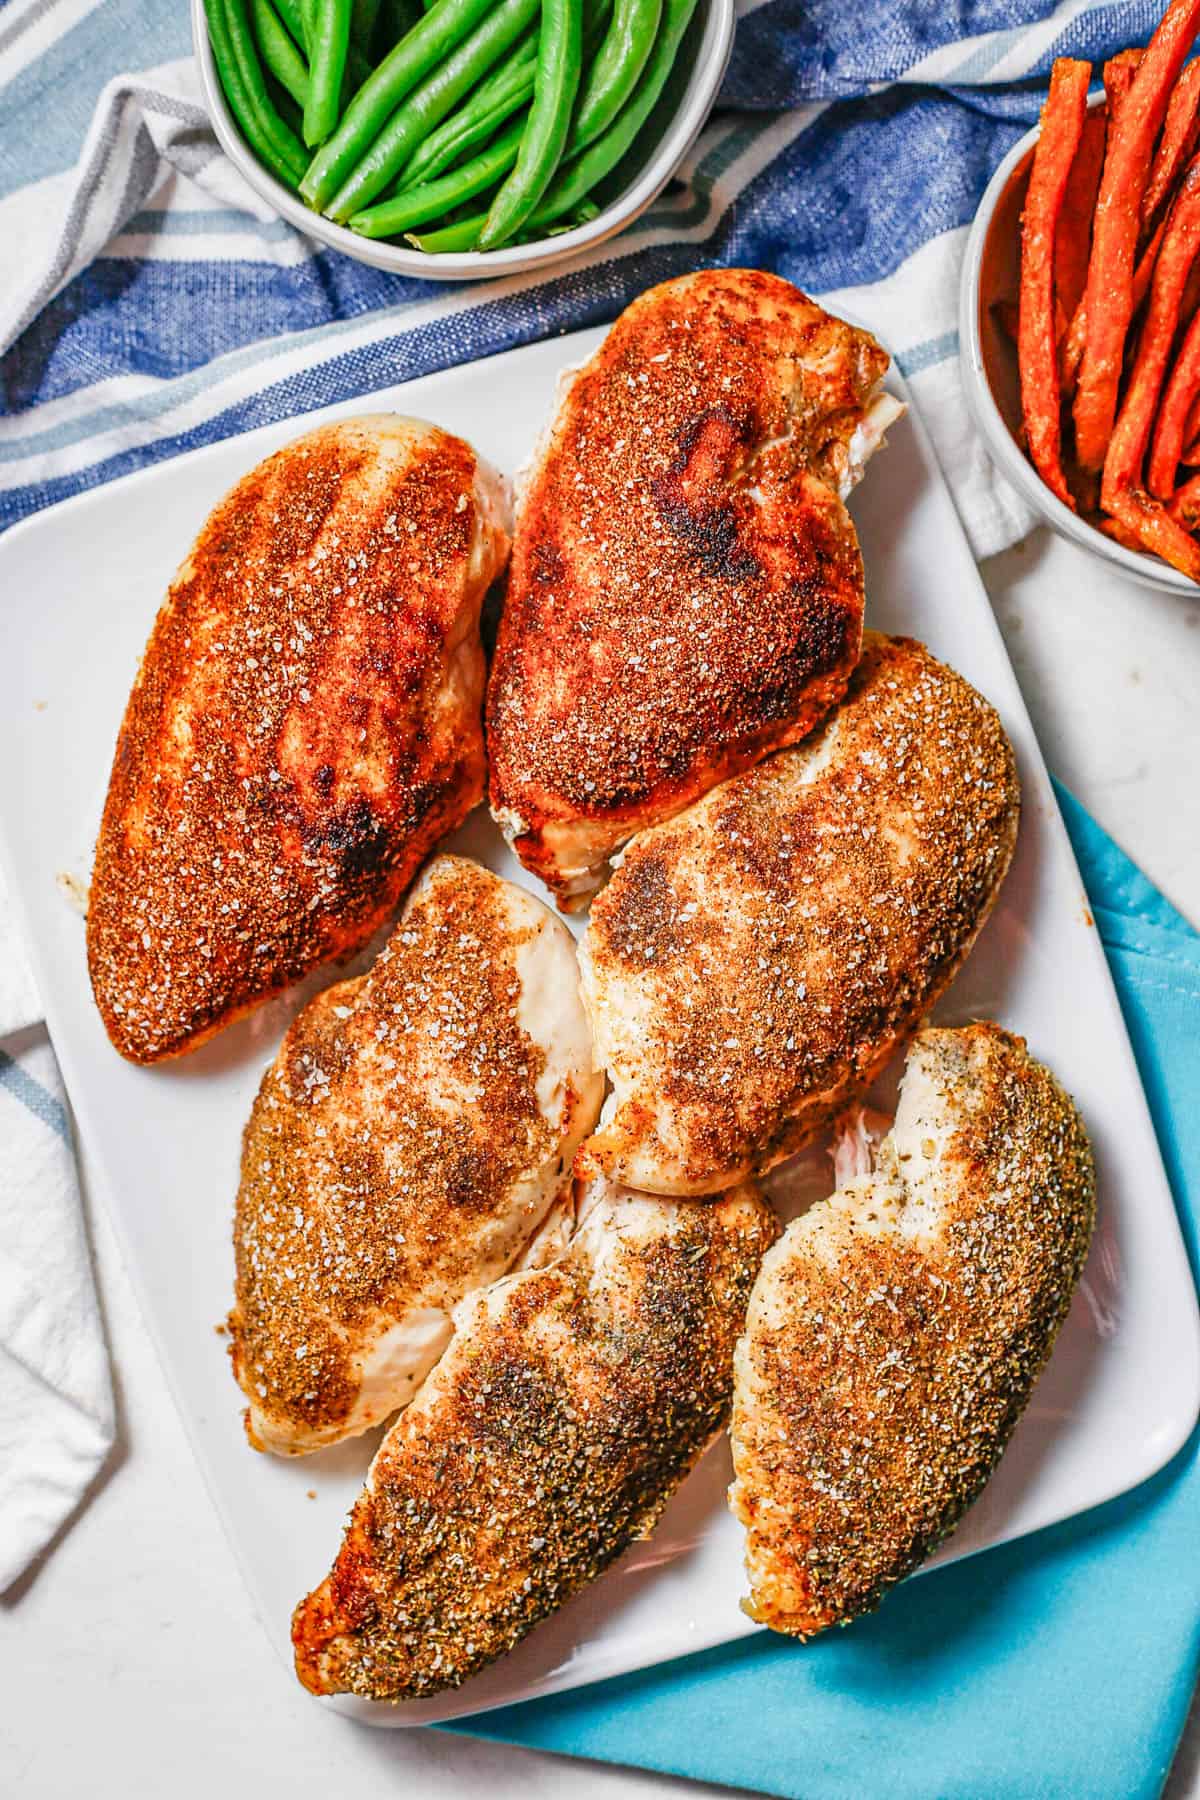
<point>406,1145</point>
<point>686,589</point>
<point>755,962</point>
<point>896,1330</point>
<point>304,727</point>
<point>569,1406</point>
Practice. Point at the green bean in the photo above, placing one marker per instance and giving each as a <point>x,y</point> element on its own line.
<point>357,66</point>
<point>446,24</point>
<point>595,19</point>
<point>279,133</point>
<point>238,97</point>
<point>579,176</point>
<point>326,66</point>
<point>430,103</point>
<point>363,15</point>
<point>292,14</point>
<point>463,234</point>
<point>579,215</point>
<point>613,76</point>
<point>396,17</point>
<point>434,199</point>
<point>242,78</point>
<point>285,106</point>
<point>571,187</point>
<point>495,99</point>
<point>555,87</point>
<point>278,51</point>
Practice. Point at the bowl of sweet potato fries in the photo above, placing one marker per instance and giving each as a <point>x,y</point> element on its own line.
<point>1080,307</point>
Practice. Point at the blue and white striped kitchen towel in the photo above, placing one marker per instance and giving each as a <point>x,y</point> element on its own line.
<point>150,303</point>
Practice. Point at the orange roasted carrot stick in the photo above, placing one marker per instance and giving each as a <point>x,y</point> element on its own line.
<point>1191,435</point>
<point>1174,415</point>
<point>1118,79</point>
<point>1180,130</point>
<point>1144,267</point>
<point>1117,227</point>
<point>1073,343</point>
<point>1180,247</point>
<point>1117,533</point>
<point>1148,520</point>
<point>1185,504</point>
<point>1119,72</point>
<point>1037,337</point>
<point>1073,239</point>
<point>1191,294</point>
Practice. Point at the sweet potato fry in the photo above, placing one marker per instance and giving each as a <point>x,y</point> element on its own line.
<point>1181,128</point>
<point>1148,520</point>
<point>1073,238</point>
<point>1185,504</point>
<point>1170,430</point>
<point>1037,339</point>
<point>1131,434</point>
<point>1118,224</point>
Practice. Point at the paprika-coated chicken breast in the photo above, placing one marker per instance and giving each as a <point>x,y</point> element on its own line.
<point>304,726</point>
<point>896,1330</point>
<point>569,1406</point>
<point>406,1145</point>
<point>686,590</point>
<point>754,962</point>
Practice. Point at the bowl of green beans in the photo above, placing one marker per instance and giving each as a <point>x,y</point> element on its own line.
<point>467,139</point>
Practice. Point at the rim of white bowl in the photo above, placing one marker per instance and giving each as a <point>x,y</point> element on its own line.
<point>987,415</point>
<point>695,104</point>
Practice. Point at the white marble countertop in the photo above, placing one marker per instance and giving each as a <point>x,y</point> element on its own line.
<point>130,1658</point>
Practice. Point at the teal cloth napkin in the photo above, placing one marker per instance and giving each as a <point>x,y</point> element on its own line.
<point>1061,1665</point>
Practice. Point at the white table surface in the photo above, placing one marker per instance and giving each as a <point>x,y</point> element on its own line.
<point>130,1660</point>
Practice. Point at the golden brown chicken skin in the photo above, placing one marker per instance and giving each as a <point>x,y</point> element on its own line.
<point>405,1146</point>
<point>896,1330</point>
<point>304,726</point>
<point>754,963</point>
<point>568,1407</point>
<point>686,589</point>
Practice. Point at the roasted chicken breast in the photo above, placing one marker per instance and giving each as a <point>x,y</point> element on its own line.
<point>304,727</point>
<point>754,962</point>
<point>686,589</point>
<point>570,1404</point>
<point>406,1145</point>
<point>896,1330</point>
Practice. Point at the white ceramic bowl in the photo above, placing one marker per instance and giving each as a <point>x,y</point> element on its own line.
<point>989,367</point>
<point>703,57</point>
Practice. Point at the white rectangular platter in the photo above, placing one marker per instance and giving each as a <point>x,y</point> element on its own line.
<point>81,585</point>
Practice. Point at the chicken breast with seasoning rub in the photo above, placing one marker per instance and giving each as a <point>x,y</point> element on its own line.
<point>407,1143</point>
<point>686,589</point>
<point>754,963</point>
<point>569,1406</point>
<point>896,1330</point>
<point>304,727</point>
